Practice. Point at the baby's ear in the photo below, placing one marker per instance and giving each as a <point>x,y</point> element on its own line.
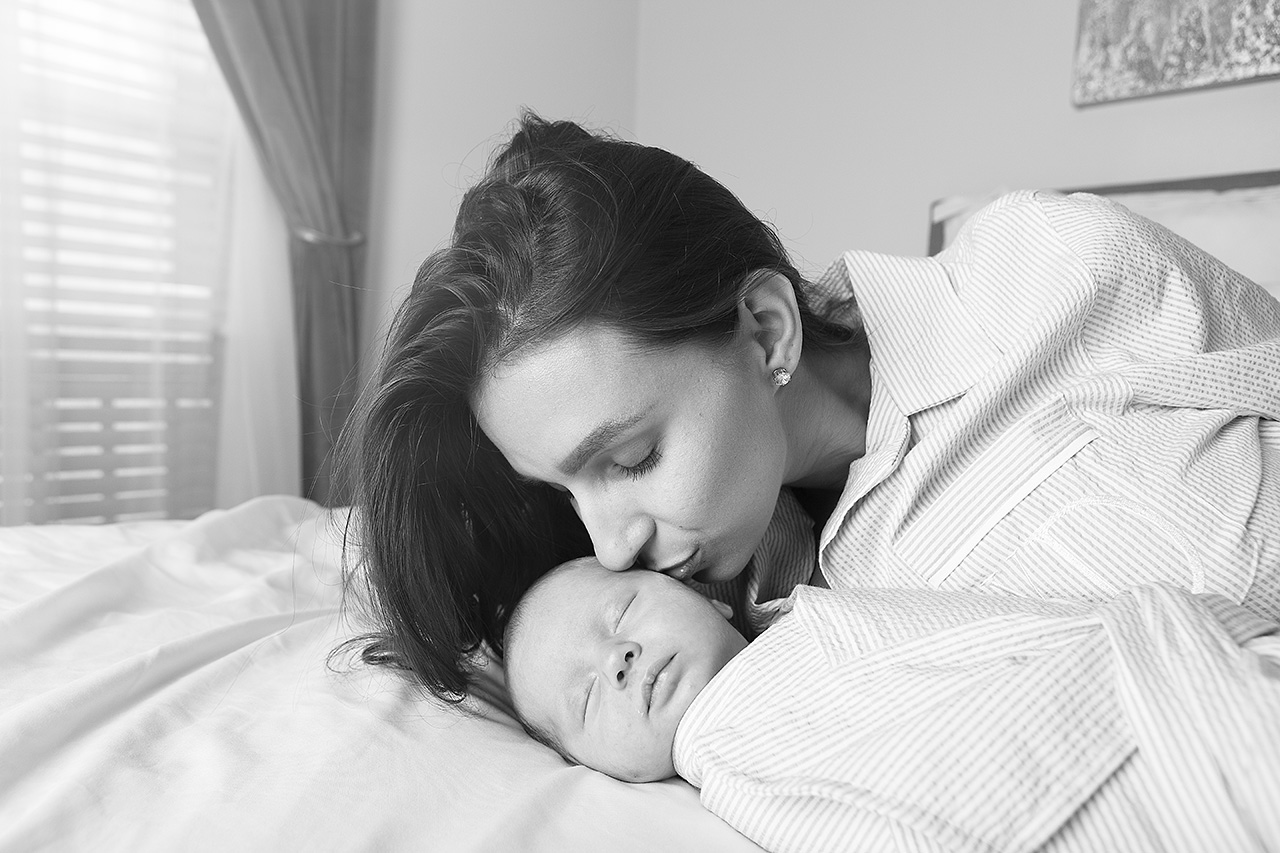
<point>725,610</point>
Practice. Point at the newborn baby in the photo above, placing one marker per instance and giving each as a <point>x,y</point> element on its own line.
<point>602,665</point>
<point>917,719</point>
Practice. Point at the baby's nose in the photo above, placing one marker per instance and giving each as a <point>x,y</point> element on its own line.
<point>621,658</point>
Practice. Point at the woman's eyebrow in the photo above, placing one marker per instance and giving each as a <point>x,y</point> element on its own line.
<point>596,440</point>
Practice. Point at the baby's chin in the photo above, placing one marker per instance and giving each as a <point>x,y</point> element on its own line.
<point>641,774</point>
<point>652,768</point>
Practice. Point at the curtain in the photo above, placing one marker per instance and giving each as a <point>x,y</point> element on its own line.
<point>115,134</point>
<point>301,72</point>
<point>259,438</point>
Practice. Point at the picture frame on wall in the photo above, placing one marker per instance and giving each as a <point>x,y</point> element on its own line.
<point>1135,48</point>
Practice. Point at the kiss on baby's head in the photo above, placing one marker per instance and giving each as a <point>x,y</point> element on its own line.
<point>602,665</point>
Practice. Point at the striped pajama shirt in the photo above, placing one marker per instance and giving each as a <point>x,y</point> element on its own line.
<point>1073,411</point>
<point>922,720</point>
<point>1067,401</point>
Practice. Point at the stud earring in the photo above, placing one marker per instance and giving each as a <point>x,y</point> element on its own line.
<point>781,376</point>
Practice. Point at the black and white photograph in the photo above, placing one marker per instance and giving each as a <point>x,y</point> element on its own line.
<point>562,426</point>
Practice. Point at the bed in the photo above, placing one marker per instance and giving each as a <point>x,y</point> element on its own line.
<point>167,685</point>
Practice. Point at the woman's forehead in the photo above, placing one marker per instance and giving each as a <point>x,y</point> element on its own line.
<point>594,344</point>
<point>540,406</point>
<point>581,338</point>
<point>570,362</point>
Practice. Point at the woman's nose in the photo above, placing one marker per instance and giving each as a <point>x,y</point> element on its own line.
<point>619,658</point>
<point>618,537</point>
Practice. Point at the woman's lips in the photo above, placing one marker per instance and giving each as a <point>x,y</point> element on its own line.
<point>684,569</point>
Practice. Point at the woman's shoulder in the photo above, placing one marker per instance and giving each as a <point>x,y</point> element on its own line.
<point>1073,218</point>
<point>1084,222</point>
<point>1045,229</point>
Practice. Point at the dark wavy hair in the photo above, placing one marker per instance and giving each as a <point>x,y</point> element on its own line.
<point>565,227</point>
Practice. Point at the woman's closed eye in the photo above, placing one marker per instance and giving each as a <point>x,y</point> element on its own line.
<point>644,466</point>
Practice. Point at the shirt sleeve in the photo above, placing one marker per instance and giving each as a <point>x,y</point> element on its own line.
<point>1147,722</point>
<point>816,739</point>
<point>1200,685</point>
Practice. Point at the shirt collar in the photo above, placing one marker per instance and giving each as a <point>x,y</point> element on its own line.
<point>925,344</point>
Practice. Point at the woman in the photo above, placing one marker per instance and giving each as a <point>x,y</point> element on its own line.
<point>614,355</point>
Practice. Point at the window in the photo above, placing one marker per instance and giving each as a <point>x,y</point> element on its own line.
<point>114,158</point>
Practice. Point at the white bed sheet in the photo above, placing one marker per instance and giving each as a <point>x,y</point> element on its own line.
<point>163,686</point>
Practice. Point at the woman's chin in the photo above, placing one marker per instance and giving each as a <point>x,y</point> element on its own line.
<point>718,573</point>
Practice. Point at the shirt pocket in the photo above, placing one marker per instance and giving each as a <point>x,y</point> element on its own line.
<point>1010,469</point>
<point>1111,520</point>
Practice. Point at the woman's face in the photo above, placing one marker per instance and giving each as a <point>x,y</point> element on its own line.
<point>673,457</point>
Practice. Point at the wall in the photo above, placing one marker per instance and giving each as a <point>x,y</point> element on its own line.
<point>838,121</point>
<point>453,74</point>
<point>842,121</point>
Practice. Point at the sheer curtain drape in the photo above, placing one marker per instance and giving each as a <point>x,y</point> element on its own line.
<point>120,201</point>
<point>259,439</point>
<point>301,72</point>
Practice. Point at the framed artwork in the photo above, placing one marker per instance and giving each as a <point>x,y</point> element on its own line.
<point>1134,48</point>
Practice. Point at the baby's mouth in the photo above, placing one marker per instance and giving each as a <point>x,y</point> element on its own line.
<point>650,680</point>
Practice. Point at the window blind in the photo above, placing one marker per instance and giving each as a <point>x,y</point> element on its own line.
<point>112,198</point>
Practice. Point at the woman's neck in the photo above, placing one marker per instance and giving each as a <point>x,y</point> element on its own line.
<point>826,417</point>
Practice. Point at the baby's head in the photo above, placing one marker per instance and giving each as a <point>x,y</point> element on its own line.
<point>602,665</point>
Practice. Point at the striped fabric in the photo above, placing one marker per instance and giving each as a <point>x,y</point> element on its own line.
<point>920,720</point>
<point>1068,401</point>
<point>784,558</point>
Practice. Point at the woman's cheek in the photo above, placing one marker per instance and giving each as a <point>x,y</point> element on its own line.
<point>684,501</point>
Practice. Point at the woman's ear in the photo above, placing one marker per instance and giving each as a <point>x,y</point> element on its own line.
<point>725,610</point>
<point>769,312</point>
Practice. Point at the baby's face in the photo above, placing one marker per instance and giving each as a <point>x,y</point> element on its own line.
<point>607,662</point>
